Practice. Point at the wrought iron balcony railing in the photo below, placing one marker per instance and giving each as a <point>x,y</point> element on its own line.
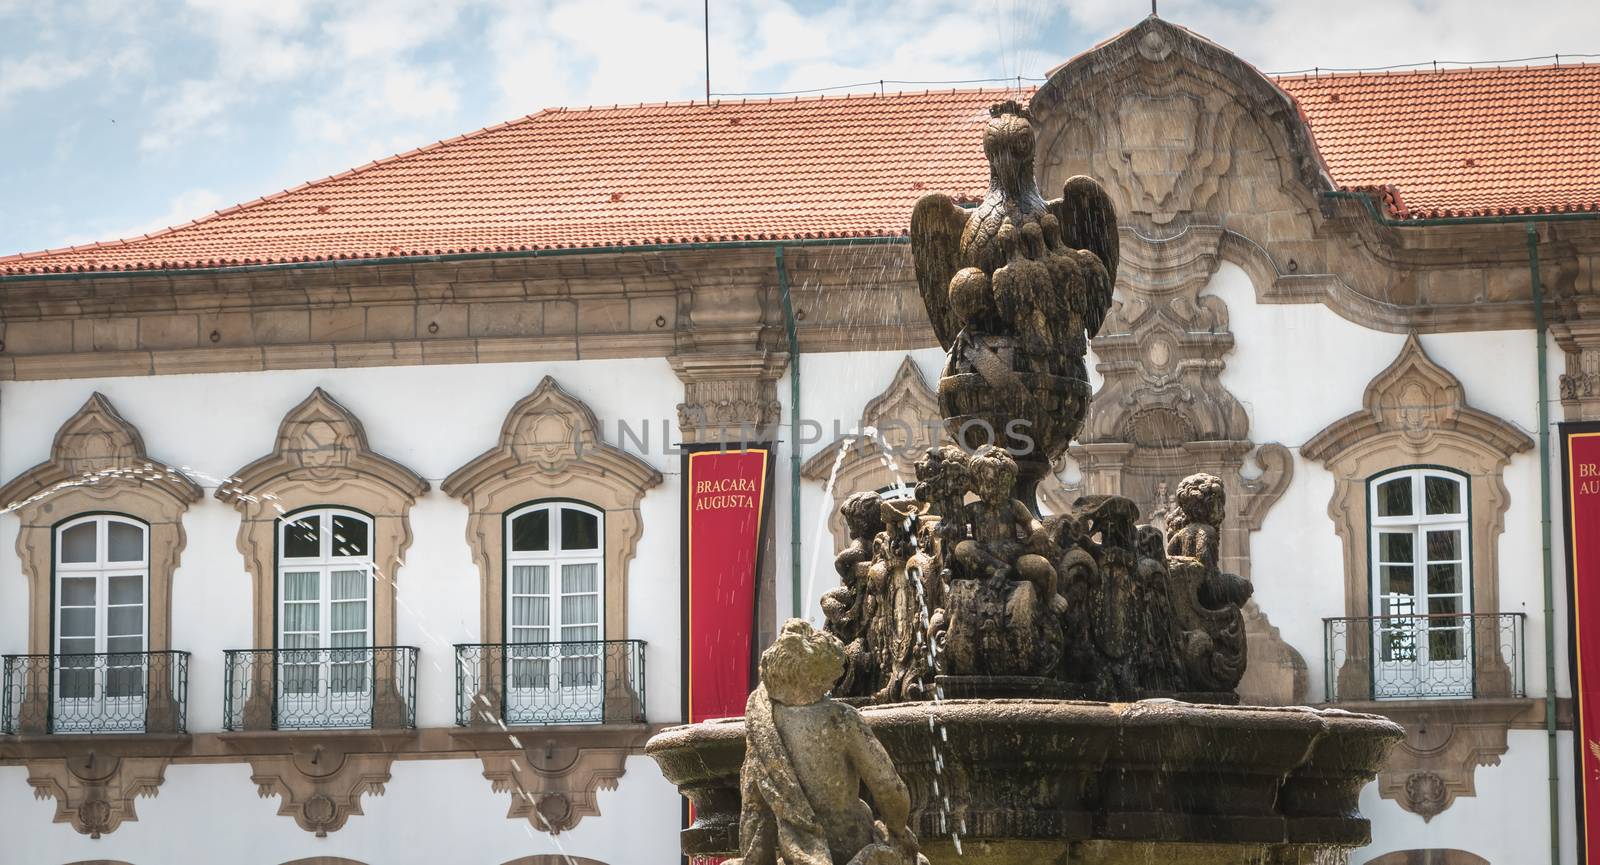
<point>594,682</point>
<point>1411,657</point>
<point>114,692</point>
<point>307,689</point>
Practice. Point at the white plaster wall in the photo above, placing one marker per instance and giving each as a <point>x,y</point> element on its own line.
<point>432,812</point>
<point>432,419</point>
<point>1506,822</point>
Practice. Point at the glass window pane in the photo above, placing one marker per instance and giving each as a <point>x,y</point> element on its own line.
<point>530,580</point>
<point>1444,546</point>
<point>77,544</point>
<point>300,586</point>
<point>530,612</point>
<point>1398,580</point>
<point>77,623</point>
<point>582,634</point>
<point>77,684</point>
<point>349,585</point>
<point>350,616</point>
<point>1445,644</point>
<point>300,617</point>
<point>1444,579</point>
<point>301,641</point>
<point>124,542</point>
<point>125,644</point>
<point>1394,498</point>
<point>75,646</point>
<point>580,578</point>
<point>1395,547</point>
<point>302,539</point>
<point>1443,494</point>
<point>127,589</point>
<point>124,682</point>
<point>580,610</point>
<point>350,536</point>
<point>580,530</point>
<point>1438,606</point>
<point>350,640</point>
<point>124,621</point>
<point>530,533</point>
<point>77,592</point>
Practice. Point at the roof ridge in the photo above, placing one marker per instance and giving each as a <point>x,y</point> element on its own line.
<point>1382,73</point>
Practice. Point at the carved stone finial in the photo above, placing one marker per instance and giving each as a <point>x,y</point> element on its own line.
<point>806,760</point>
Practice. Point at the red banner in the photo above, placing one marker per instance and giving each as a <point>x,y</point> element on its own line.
<point>1580,463</point>
<point>725,495</point>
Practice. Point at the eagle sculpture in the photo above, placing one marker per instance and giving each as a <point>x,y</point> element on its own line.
<point>1041,271</point>
<point>1015,289</point>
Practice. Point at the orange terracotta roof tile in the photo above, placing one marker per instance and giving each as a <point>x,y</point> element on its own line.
<point>1461,142</point>
<point>1436,143</point>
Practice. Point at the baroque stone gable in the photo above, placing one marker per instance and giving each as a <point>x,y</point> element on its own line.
<point>906,416</point>
<point>1163,117</point>
<point>98,462</point>
<point>550,447</point>
<point>321,457</point>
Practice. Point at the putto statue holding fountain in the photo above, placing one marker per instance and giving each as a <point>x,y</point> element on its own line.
<point>1005,660</point>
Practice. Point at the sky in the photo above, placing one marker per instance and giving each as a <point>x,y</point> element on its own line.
<point>118,118</point>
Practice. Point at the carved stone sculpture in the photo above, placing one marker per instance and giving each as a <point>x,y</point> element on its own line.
<point>1014,289</point>
<point>807,758</point>
<point>1208,602</point>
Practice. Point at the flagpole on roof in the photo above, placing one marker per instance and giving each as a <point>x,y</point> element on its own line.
<point>707,21</point>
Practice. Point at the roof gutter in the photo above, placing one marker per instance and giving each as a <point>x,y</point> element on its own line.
<point>448,258</point>
<point>1541,330</point>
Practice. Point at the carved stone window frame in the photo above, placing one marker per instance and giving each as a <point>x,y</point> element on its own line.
<point>550,449</point>
<point>321,458</point>
<point>1415,413</point>
<point>98,464</point>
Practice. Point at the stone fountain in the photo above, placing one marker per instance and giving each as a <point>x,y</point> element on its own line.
<point>1051,689</point>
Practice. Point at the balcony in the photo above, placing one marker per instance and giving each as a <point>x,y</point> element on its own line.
<point>596,682</point>
<point>321,689</point>
<point>117,692</point>
<point>1425,657</point>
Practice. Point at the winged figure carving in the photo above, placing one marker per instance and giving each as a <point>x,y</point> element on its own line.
<point>1039,270</point>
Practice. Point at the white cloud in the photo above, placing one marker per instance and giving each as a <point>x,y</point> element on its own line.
<point>186,206</point>
<point>40,71</point>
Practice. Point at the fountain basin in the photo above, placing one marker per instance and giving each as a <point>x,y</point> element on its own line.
<point>1029,780</point>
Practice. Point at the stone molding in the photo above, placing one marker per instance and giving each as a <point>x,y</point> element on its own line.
<point>550,447</point>
<point>552,781</point>
<point>321,458</point>
<point>729,397</point>
<point>95,792</point>
<point>98,463</point>
<point>1446,742</point>
<point>322,788</point>
<point>1415,412</point>
<point>906,415</point>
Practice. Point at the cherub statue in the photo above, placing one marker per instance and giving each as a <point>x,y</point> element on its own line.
<point>806,760</point>
<point>849,609</point>
<point>942,483</point>
<point>1195,531</point>
<point>1008,541</point>
<point>1206,601</point>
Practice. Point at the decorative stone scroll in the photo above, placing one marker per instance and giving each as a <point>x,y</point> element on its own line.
<point>550,447</point>
<point>95,792</point>
<point>553,779</point>
<point>321,458</point>
<point>98,462</point>
<point>320,786</point>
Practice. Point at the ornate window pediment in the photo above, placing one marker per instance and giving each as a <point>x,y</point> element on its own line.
<point>98,464</point>
<point>321,458</point>
<point>550,448</point>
